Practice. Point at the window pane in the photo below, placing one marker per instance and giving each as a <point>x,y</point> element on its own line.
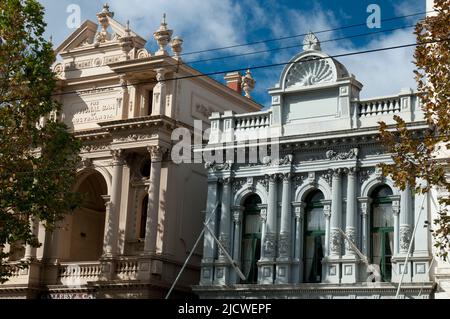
<point>382,215</point>
<point>252,224</point>
<point>315,220</point>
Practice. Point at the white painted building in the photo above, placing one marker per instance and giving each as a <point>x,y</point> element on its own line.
<point>281,217</point>
<point>142,212</point>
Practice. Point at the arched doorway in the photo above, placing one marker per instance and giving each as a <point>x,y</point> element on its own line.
<point>83,230</point>
<point>314,237</point>
<point>251,238</point>
<point>382,230</point>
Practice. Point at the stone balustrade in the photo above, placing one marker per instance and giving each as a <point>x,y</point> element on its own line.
<point>379,107</point>
<point>79,273</point>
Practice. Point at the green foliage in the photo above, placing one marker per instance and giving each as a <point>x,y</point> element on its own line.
<point>37,161</point>
<point>425,155</point>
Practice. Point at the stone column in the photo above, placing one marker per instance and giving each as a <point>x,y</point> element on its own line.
<point>350,228</point>
<point>405,219</point>
<point>336,214</point>
<point>396,212</point>
<point>297,263</point>
<point>225,218</point>
<point>125,101</point>
<point>237,222</point>
<point>208,242</point>
<point>222,266</point>
<point>159,93</point>
<point>151,225</point>
<point>327,214</point>
<point>108,212</point>
<point>269,241</point>
<point>284,241</point>
<point>364,204</point>
<point>112,221</point>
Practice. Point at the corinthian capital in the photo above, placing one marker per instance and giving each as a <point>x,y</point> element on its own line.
<point>117,155</point>
<point>156,152</point>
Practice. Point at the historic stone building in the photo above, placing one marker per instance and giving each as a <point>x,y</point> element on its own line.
<point>142,212</point>
<point>319,220</point>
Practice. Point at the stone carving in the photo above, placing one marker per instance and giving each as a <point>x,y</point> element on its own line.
<point>309,72</point>
<point>217,167</point>
<point>85,163</point>
<point>133,137</point>
<point>286,160</point>
<point>156,152</point>
<point>103,19</point>
<point>332,155</point>
<point>351,235</point>
<point>238,184</point>
<point>223,239</point>
<point>298,180</point>
<point>204,110</point>
<point>142,53</point>
<point>327,176</point>
<point>264,181</point>
<point>269,245</point>
<point>177,47</point>
<point>405,237</point>
<point>248,83</point>
<point>58,69</point>
<point>311,42</point>
<point>335,242</point>
<point>117,156</point>
<point>364,174</point>
<point>283,245</point>
<point>162,36</point>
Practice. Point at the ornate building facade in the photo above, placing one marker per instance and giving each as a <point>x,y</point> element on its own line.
<point>142,212</point>
<point>317,220</point>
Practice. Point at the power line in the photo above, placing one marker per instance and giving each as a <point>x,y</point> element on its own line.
<point>304,34</point>
<point>239,69</point>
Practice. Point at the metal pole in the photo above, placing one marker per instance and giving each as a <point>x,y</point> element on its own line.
<point>236,268</point>
<point>191,253</point>
<point>409,248</point>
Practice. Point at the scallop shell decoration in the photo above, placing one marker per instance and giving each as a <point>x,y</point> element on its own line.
<point>305,73</point>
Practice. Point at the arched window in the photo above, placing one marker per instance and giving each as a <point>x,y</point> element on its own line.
<point>251,238</point>
<point>314,237</point>
<point>143,221</point>
<point>382,230</point>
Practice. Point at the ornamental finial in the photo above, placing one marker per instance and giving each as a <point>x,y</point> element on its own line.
<point>248,83</point>
<point>162,36</point>
<point>311,42</point>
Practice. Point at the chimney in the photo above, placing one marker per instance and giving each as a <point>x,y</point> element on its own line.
<point>234,81</point>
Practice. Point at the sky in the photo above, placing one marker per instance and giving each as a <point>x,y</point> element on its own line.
<point>207,24</point>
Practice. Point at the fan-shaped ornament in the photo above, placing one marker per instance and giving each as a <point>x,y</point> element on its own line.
<point>311,42</point>
<point>309,72</point>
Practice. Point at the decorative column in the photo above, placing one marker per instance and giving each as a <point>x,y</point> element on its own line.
<point>112,215</point>
<point>297,262</point>
<point>336,214</point>
<point>108,204</point>
<point>396,212</point>
<point>349,264</point>
<point>266,264</point>
<point>223,265</point>
<point>405,219</point>
<point>350,228</point>
<point>151,225</point>
<point>125,100</point>
<point>208,241</point>
<point>332,270</point>
<point>237,222</point>
<point>159,93</point>
<point>283,264</point>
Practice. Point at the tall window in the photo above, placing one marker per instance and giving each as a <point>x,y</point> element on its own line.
<point>382,231</point>
<point>314,237</point>
<point>143,217</point>
<point>251,238</point>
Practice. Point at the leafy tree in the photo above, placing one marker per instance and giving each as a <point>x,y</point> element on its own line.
<point>38,156</point>
<point>425,155</point>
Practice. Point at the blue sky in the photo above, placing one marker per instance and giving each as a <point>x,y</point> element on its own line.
<point>205,24</point>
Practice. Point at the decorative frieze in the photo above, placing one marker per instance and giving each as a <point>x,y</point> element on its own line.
<point>283,245</point>
<point>405,237</point>
<point>269,244</point>
<point>335,156</point>
<point>335,242</point>
<point>213,166</point>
